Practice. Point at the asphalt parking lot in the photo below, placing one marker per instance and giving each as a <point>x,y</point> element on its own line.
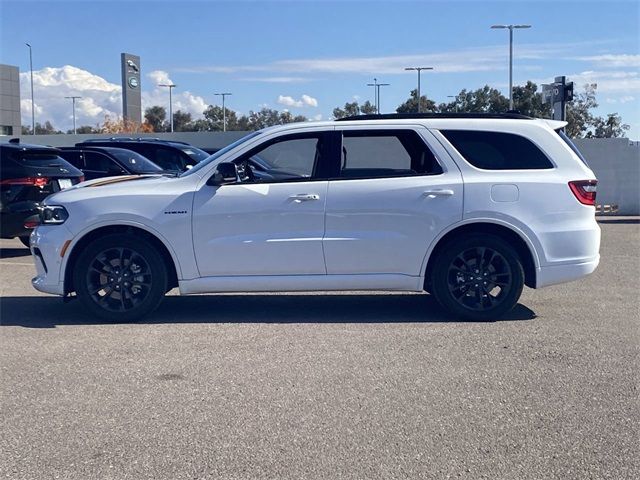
<point>325,385</point>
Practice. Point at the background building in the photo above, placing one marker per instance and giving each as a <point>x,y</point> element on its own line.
<point>10,122</point>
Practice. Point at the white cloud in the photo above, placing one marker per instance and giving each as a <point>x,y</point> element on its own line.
<point>317,117</point>
<point>276,79</point>
<point>309,101</point>
<point>613,81</point>
<point>305,101</point>
<point>99,96</point>
<point>289,101</point>
<point>613,60</point>
<point>52,84</point>
<point>475,59</point>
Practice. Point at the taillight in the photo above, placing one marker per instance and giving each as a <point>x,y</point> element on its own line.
<point>584,190</point>
<point>35,181</point>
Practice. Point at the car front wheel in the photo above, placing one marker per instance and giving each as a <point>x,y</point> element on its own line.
<point>120,278</point>
<point>479,277</point>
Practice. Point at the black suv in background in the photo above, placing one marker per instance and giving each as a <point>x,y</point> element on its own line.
<point>28,174</point>
<point>97,162</point>
<point>168,155</point>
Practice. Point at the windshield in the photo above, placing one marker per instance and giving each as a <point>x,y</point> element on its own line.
<point>135,162</point>
<point>195,153</point>
<point>219,153</point>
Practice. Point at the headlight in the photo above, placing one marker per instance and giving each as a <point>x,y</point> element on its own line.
<point>53,215</point>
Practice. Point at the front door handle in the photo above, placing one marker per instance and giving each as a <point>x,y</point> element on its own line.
<point>438,193</point>
<point>304,197</point>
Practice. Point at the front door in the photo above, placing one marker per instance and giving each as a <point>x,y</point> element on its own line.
<point>272,221</point>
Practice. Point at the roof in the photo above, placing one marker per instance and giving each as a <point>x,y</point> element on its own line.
<point>409,116</point>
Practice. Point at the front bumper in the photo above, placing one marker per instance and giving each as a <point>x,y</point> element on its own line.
<point>46,245</point>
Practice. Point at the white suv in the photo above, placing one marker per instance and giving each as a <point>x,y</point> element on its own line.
<point>467,207</point>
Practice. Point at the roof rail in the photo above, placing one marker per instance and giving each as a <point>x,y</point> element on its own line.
<point>406,116</point>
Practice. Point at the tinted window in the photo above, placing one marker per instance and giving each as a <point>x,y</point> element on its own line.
<point>166,158</point>
<point>98,162</point>
<point>385,153</point>
<point>134,161</point>
<point>296,156</point>
<point>497,150</point>
<point>572,146</point>
<point>74,158</point>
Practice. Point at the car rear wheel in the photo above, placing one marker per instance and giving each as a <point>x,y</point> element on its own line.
<point>479,277</point>
<point>120,278</point>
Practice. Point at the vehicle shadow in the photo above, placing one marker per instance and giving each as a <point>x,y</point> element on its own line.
<point>14,252</point>
<point>49,312</point>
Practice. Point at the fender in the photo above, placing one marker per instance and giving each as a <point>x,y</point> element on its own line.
<point>78,236</point>
<point>531,242</point>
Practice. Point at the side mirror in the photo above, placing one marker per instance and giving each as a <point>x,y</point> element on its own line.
<point>224,174</point>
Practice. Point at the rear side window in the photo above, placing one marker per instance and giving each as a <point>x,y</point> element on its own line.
<point>385,153</point>
<point>497,150</point>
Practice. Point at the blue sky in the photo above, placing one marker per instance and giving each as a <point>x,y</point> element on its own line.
<point>311,56</point>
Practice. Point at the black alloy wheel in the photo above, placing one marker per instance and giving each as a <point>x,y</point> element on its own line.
<point>479,277</point>
<point>120,277</point>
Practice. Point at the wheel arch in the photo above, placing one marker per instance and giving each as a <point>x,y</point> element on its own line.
<point>152,237</point>
<point>516,237</point>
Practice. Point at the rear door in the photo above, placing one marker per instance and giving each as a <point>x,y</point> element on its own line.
<point>393,195</point>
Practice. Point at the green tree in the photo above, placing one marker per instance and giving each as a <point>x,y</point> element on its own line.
<point>181,121</point>
<point>214,118</point>
<point>528,101</point>
<point>25,130</point>
<point>411,104</point>
<point>579,116</point>
<point>482,100</point>
<point>610,127</point>
<point>156,117</point>
<point>83,129</point>
<point>46,129</point>
<point>267,117</point>
<point>354,108</point>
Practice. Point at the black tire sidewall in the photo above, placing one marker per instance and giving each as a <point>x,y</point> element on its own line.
<point>153,258</point>
<point>440,288</point>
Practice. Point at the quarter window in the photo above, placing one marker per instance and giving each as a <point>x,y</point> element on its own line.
<point>497,150</point>
<point>385,153</point>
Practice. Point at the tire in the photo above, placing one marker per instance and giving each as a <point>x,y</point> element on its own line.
<point>25,241</point>
<point>478,277</point>
<point>120,278</point>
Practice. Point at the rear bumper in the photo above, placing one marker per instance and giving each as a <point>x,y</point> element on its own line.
<point>12,219</point>
<point>554,274</point>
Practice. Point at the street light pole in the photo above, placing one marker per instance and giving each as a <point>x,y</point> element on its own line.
<point>418,69</point>
<point>456,97</point>
<point>171,86</point>
<point>377,86</point>
<point>73,100</point>
<point>510,27</point>
<point>33,115</point>
<point>224,110</point>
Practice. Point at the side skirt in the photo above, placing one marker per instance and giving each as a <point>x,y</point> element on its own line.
<point>300,283</point>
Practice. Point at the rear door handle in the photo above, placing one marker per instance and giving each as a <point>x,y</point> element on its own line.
<point>438,193</point>
<point>304,197</point>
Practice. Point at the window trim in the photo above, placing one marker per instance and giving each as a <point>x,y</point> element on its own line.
<point>385,132</point>
<point>471,165</point>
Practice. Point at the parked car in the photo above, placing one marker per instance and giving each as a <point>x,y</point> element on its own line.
<point>168,155</point>
<point>28,174</point>
<point>467,207</point>
<point>98,162</point>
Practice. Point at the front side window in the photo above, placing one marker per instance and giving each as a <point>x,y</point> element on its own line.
<point>385,153</point>
<point>497,150</point>
<point>289,158</point>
